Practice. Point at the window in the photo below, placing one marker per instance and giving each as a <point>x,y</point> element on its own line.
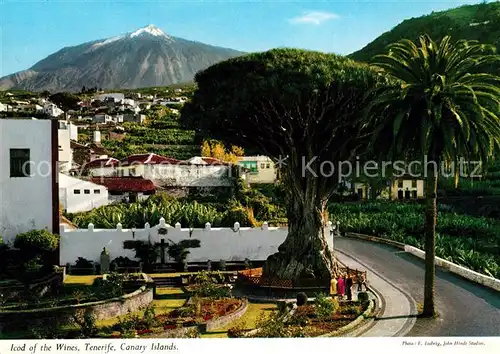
<point>262,165</point>
<point>400,184</point>
<point>76,191</point>
<point>414,183</point>
<point>19,163</point>
<point>86,191</point>
<point>268,165</point>
<point>97,191</point>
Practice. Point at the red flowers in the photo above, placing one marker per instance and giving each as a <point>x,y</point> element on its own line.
<point>170,326</point>
<point>207,317</point>
<point>144,331</point>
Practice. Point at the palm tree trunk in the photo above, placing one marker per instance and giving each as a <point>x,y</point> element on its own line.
<point>429,309</point>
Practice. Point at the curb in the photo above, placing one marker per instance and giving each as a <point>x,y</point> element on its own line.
<point>413,306</point>
<point>468,274</point>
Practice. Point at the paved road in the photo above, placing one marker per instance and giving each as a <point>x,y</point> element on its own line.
<point>394,321</point>
<point>465,308</point>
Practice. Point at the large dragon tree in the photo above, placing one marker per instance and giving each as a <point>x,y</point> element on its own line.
<point>300,108</point>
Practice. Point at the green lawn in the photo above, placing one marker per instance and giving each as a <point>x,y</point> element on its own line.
<point>168,300</point>
<point>249,319</point>
<point>81,279</point>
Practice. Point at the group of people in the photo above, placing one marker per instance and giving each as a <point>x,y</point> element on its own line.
<point>342,287</point>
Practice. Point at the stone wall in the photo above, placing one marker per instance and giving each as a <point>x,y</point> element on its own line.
<point>23,319</point>
<point>466,273</point>
<point>229,244</point>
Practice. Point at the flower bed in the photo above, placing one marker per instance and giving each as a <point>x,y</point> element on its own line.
<point>199,314</point>
<point>326,317</point>
<point>201,311</point>
<point>317,326</point>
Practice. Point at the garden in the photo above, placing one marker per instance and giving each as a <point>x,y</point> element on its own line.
<point>473,242</point>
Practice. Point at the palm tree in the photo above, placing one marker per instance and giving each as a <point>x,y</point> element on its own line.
<point>443,105</point>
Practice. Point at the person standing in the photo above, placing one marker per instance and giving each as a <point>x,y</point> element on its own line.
<point>340,287</point>
<point>348,288</point>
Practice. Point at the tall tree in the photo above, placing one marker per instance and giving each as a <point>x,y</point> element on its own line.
<point>300,108</point>
<point>444,106</point>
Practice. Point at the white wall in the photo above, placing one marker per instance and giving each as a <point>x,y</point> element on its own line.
<point>73,132</point>
<point>74,203</point>
<point>25,202</point>
<point>65,153</point>
<point>216,243</point>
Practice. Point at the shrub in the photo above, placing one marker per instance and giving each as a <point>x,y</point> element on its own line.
<point>128,324</point>
<point>237,331</point>
<point>207,285</point>
<point>301,299</point>
<point>36,243</point>
<point>363,296</point>
<point>325,307</point>
<point>110,287</point>
<point>149,317</point>
<point>86,321</point>
<point>83,263</point>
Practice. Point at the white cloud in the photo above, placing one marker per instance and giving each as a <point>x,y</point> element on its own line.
<point>314,17</point>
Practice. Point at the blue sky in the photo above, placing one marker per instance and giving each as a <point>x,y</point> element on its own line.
<point>31,30</point>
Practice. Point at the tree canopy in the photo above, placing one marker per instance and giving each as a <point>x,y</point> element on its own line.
<point>302,107</point>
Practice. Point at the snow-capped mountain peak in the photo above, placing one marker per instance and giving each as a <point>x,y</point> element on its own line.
<point>151,30</point>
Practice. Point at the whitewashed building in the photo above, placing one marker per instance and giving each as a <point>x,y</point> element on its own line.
<point>76,195</point>
<point>28,176</point>
<point>5,107</point>
<point>52,110</point>
<point>261,169</point>
<point>116,97</point>
<point>65,151</point>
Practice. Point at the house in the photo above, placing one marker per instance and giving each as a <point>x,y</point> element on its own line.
<point>130,189</point>
<point>169,174</point>
<point>52,110</point>
<point>85,153</point>
<point>402,188</point>
<point>28,108</point>
<point>133,118</point>
<point>5,107</point>
<point>115,97</point>
<point>28,178</point>
<point>76,195</point>
<point>103,118</point>
<point>407,187</point>
<point>262,169</point>
<point>101,167</point>
<point>65,151</point>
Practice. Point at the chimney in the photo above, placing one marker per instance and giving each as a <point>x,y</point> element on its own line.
<point>97,137</point>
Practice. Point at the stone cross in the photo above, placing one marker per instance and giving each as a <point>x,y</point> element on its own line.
<point>104,261</point>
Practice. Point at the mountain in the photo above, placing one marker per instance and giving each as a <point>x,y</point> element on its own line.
<point>144,58</point>
<point>473,22</point>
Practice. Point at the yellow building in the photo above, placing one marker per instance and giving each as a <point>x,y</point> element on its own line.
<point>262,169</point>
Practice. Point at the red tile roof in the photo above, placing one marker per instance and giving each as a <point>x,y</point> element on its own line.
<point>125,184</point>
<point>99,163</point>
<point>147,159</point>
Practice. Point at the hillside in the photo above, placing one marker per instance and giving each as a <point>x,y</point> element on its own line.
<point>144,58</point>
<point>473,22</point>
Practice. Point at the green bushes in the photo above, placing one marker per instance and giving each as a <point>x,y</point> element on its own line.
<point>325,307</point>
<point>36,242</point>
<point>188,213</point>
<point>461,239</point>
